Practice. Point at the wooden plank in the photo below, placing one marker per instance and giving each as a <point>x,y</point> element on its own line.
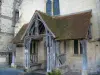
<point>28,28</point>
<point>36,26</point>
<point>35,37</point>
<point>53,50</point>
<point>50,45</point>
<point>13,59</point>
<point>48,60</point>
<point>65,46</point>
<point>46,27</point>
<point>48,49</point>
<point>57,53</point>
<point>36,56</point>
<point>51,53</point>
<point>27,53</point>
<point>62,58</point>
<point>32,29</point>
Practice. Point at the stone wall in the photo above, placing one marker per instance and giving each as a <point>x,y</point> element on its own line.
<point>75,61</point>
<point>20,57</point>
<point>6,25</point>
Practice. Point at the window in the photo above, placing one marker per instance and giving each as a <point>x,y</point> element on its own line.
<point>81,50</point>
<point>77,47</point>
<point>16,16</point>
<point>65,46</point>
<point>89,32</point>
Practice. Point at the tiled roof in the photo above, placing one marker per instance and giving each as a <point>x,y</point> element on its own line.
<point>17,38</point>
<point>69,27</point>
<point>74,26</point>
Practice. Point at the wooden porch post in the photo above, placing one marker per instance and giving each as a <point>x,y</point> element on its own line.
<point>13,59</point>
<point>48,52</point>
<point>27,54</point>
<point>50,45</point>
<point>48,60</point>
<point>26,58</point>
<point>84,57</point>
<point>57,53</point>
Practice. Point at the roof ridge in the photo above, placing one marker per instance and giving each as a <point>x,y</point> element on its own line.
<point>42,13</point>
<point>71,14</point>
<point>60,16</point>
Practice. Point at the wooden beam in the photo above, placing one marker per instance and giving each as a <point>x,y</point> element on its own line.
<point>28,28</point>
<point>35,37</point>
<point>53,54</point>
<point>27,53</point>
<point>46,27</point>
<point>13,59</point>
<point>57,53</point>
<point>48,52</point>
<point>36,26</point>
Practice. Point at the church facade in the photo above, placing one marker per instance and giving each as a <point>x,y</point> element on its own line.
<point>71,50</point>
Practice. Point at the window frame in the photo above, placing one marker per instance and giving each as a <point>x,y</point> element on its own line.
<point>16,16</point>
<point>79,48</point>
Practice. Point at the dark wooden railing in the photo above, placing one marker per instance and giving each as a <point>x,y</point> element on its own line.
<point>34,58</point>
<point>62,59</point>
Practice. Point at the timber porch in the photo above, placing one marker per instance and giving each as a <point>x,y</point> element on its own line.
<point>42,40</point>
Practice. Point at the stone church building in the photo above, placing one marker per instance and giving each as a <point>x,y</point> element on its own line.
<point>63,34</point>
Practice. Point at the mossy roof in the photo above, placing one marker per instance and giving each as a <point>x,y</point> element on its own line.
<point>74,26</point>
<point>69,27</point>
<point>17,38</point>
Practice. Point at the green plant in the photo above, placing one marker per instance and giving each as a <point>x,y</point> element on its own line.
<point>54,72</point>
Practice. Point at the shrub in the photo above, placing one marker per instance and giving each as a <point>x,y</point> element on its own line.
<point>54,72</point>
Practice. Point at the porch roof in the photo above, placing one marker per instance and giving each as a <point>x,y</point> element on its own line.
<point>69,27</point>
<point>73,26</point>
<point>17,38</point>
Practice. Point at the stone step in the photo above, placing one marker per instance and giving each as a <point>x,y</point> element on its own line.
<point>37,72</point>
<point>35,66</point>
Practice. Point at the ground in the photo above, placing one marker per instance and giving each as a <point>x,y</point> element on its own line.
<point>13,71</point>
<point>10,71</point>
